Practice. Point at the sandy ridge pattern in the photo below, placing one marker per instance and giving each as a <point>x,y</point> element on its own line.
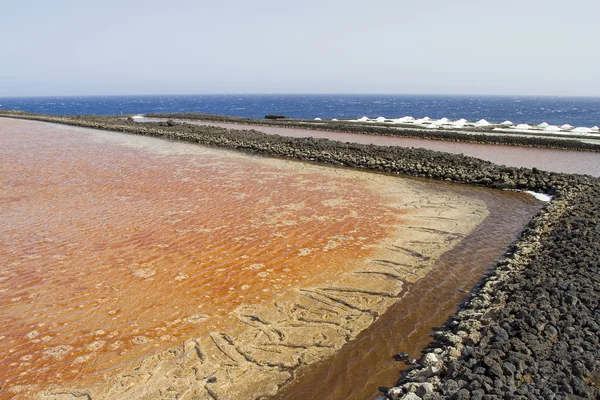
<point>260,351</point>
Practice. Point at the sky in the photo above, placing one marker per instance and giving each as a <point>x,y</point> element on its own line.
<point>112,47</point>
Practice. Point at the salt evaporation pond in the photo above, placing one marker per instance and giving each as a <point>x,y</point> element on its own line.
<point>216,274</point>
<point>564,161</point>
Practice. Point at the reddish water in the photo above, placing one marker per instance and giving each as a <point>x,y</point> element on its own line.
<point>110,250</point>
<point>571,162</point>
<point>114,246</point>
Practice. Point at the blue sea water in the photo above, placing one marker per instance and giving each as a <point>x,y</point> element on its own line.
<point>577,111</point>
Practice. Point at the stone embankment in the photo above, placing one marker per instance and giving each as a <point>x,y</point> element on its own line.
<point>531,329</point>
<point>481,135</point>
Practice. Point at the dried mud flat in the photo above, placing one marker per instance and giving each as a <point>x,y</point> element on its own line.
<point>260,345</point>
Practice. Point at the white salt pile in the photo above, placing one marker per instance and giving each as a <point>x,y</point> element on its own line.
<point>552,128</point>
<point>544,125</point>
<point>507,123</point>
<point>566,127</point>
<point>522,127</point>
<point>482,122</point>
<point>582,130</point>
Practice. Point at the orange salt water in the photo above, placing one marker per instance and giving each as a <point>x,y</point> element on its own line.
<point>113,246</point>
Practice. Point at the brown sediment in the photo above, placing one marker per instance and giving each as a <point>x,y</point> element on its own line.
<point>124,263</point>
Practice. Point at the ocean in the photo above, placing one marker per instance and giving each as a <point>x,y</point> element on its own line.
<point>576,111</point>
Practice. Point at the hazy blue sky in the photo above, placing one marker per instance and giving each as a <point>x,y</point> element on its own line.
<point>74,47</point>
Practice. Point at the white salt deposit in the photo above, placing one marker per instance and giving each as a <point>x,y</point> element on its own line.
<point>380,119</point>
<point>427,119</point>
<point>582,130</point>
<point>539,196</point>
<point>482,122</point>
<point>552,128</point>
<point>522,127</point>
<point>507,123</point>
<point>363,119</point>
<point>139,116</point>
<point>335,119</point>
<point>544,125</point>
<point>317,119</point>
<point>595,128</point>
<point>566,127</point>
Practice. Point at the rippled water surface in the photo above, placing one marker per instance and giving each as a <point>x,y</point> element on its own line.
<point>115,246</point>
<point>112,245</point>
<point>578,111</point>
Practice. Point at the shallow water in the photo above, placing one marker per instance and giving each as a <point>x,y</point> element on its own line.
<point>109,250</point>
<point>566,161</point>
<point>115,246</point>
<point>358,369</point>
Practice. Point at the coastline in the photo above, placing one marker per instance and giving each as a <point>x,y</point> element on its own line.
<point>567,223</point>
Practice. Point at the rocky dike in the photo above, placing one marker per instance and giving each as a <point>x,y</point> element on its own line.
<point>481,135</point>
<point>531,328</point>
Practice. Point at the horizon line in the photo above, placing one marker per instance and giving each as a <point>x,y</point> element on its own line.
<point>301,94</point>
